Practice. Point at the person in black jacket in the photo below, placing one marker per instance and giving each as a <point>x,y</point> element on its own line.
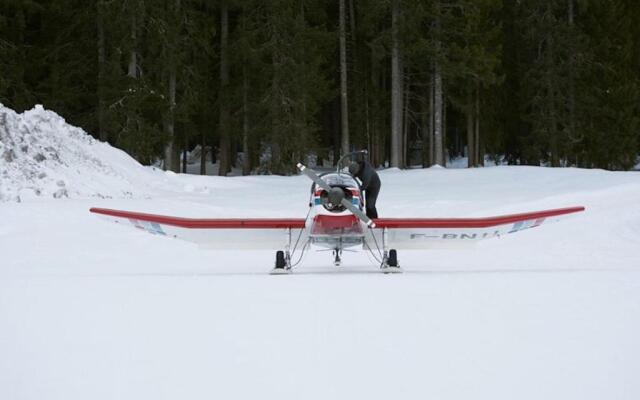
<point>364,171</point>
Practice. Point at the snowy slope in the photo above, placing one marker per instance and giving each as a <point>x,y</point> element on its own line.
<point>43,156</point>
<point>90,309</point>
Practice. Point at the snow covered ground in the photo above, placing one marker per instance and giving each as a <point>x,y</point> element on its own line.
<point>95,310</point>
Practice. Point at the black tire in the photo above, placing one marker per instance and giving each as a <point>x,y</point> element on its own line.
<point>392,261</point>
<point>280,263</point>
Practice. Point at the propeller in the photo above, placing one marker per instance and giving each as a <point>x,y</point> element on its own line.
<point>336,194</point>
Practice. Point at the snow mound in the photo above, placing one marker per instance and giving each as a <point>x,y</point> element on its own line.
<point>43,156</point>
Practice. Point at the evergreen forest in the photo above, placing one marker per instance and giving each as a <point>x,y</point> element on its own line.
<point>263,84</point>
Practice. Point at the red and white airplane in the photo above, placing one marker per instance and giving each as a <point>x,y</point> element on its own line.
<point>335,221</point>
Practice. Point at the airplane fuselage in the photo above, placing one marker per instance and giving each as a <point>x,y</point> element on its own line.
<point>331,225</point>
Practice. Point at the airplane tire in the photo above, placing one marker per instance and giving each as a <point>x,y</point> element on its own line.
<point>392,261</point>
<point>280,262</point>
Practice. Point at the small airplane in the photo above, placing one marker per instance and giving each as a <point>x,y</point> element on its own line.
<point>336,221</point>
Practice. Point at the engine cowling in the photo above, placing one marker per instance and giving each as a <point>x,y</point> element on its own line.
<point>331,200</point>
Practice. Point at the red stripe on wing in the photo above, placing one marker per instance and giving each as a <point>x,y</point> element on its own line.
<point>471,222</point>
<point>227,223</point>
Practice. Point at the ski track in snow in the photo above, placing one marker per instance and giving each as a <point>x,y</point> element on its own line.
<point>94,310</point>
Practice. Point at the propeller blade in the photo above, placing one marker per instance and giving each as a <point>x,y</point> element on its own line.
<point>346,203</point>
<point>314,177</point>
<point>358,213</point>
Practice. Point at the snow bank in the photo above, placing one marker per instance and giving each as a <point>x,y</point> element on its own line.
<point>43,156</point>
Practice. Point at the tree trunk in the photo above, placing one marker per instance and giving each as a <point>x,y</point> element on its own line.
<point>572,91</point>
<point>424,129</point>
<point>431,123</point>
<point>170,160</point>
<point>396,88</point>
<point>224,147</point>
<point>184,158</point>
<point>405,129</point>
<point>102,129</point>
<point>478,155</point>
<point>132,70</point>
<point>203,153</point>
<point>444,129</point>
<point>352,20</point>
<point>171,151</point>
<point>354,52</point>
<point>551,106</point>
<point>372,116</point>
<point>275,113</point>
<point>437,115</point>
<point>471,135</point>
<point>344,105</point>
<point>367,124</point>
<point>246,159</point>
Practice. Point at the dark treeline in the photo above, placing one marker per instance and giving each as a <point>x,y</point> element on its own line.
<point>414,81</point>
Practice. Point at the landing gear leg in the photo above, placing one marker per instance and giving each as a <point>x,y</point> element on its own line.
<point>283,258</point>
<point>337,260</point>
<point>389,257</point>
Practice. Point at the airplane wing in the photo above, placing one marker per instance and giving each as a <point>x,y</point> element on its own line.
<point>228,233</point>
<point>411,233</point>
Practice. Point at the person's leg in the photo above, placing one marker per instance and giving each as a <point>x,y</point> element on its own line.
<point>371,198</point>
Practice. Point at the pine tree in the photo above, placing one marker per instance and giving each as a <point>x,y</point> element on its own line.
<point>298,84</point>
<point>397,83</point>
<point>535,81</point>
